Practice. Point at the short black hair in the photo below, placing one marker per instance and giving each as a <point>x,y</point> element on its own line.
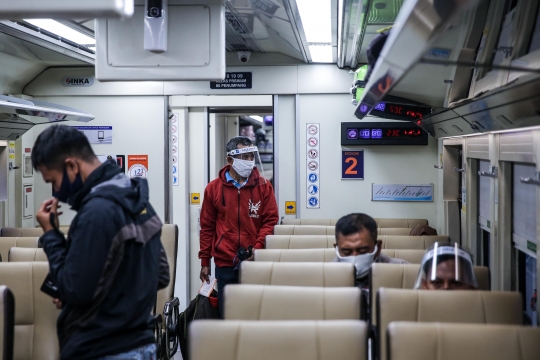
<point>57,143</point>
<point>238,140</point>
<point>354,223</point>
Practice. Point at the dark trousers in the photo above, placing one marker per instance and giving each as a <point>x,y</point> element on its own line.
<point>225,276</point>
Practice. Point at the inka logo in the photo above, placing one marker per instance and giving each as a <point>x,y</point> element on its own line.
<point>78,81</point>
<point>253,208</point>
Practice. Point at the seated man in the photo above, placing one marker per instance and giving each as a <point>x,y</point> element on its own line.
<point>356,243</point>
<point>446,267</point>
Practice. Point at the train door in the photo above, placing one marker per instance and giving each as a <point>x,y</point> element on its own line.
<point>524,234</point>
<point>453,190</point>
<point>483,243</point>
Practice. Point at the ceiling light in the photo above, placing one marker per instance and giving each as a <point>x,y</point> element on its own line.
<point>321,53</point>
<point>62,30</point>
<point>256,117</point>
<point>316,16</point>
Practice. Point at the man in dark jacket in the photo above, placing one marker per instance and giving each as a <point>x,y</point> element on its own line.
<point>239,210</point>
<point>110,267</point>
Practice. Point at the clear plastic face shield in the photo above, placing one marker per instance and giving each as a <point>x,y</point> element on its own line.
<point>246,154</point>
<point>446,267</point>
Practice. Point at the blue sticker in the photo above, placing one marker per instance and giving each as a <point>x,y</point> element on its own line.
<point>313,177</point>
<point>313,201</point>
<point>174,170</point>
<point>313,189</point>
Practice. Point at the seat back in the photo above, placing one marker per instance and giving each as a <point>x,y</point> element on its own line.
<point>295,255</point>
<point>7,243</point>
<point>425,341</point>
<point>399,223</point>
<point>300,241</point>
<point>412,256</point>
<point>19,254</point>
<point>458,306</point>
<point>411,242</point>
<point>321,222</point>
<point>35,314</point>
<point>264,302</point>
<point>284,340</point>
<point>394,231</point>
<point>297,274</point>
<point>403,276</point>
<point>7,323</point>
<point>169,239</point>
<point>304,230</point>
<point>21,232</point>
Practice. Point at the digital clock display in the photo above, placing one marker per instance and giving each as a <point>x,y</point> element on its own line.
<point>382,133</point>
<point>398,111</point>
<point>359,133</point>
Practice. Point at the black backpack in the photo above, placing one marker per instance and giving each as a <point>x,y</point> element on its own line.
<point>201,307</point>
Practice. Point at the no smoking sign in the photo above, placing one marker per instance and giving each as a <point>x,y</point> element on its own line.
<point>313,166</point>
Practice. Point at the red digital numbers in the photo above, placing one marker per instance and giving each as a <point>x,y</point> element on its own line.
<point>393,133</point>
<point>396,109</point>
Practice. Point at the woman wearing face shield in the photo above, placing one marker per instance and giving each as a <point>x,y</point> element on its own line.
<point>356,243</point>
<point>446,267</point>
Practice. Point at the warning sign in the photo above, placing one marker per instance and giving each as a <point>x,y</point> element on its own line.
<point>195,198</point>
<point>233,80</point>
<point>290,207</point>
<point>138,166</point>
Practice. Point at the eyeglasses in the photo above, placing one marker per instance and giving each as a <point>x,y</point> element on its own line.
<point>247,156</point>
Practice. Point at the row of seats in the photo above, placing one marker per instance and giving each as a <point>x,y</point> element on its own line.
<point>327,241</point>
<point>328,255</point>
<point>381,222</point>
<point>23,273</point>
<point>27,232</point>
<point>329,230</point>
<point>346,340</point>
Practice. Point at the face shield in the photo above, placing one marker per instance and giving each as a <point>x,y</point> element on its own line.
<point>446,267</point>
<point>246,155</point>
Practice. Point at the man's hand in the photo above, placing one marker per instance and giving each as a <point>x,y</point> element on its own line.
<point>205,272</point>
<point>57,303</point>
<point>44,213</point>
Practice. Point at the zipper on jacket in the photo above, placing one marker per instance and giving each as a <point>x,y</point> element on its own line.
<point>238,218</point>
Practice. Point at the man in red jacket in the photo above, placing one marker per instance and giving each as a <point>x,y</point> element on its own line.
<point>238,211</point>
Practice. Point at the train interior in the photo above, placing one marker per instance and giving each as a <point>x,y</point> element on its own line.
<point>411,111</point>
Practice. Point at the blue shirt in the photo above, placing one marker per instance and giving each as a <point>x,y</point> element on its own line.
<point>235,183</point>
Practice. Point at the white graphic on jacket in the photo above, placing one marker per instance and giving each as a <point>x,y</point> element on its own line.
<point>253,208</point>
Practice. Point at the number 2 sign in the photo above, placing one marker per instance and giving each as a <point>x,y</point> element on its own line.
<point>352,164</point>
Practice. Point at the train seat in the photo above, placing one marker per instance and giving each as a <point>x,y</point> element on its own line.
<point>381,222</point>
<point>327,255</point>
<point>300,241</point>
<point>7,323</point>
<point>394,231</point>
<point>285,340</point>
<point>403,276</point>
<point>304,222</point>
<point>7,243</point>
<point>21,232</point>
<point>297,274</point>
<point>169,239</point>
<point>458,306</point>
<point>35,314</point>
<point>19,254</point>
<point>411,242</point>
<point>304,230</point>
<point>427,341</point>
<point>263,302</point>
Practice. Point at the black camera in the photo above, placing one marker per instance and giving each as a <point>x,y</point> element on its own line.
<point>155,8</point>
<point>243,254</point>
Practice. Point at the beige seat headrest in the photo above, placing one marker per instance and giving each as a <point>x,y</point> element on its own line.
<point>295,255</point>
<point>411,242</point>
<point>427,341</point>
<point>7,322</point>
<point>412,256</point>
<point>403,276</point>
<point>7,243</point>
<point>284,340</point>
<point>21,232</point>
<point>304,230</point>
<point>394,231</point>
<point>297,274</point>
<point>19,254</point>
<point>381,222</point>
<point>169,239</point>
<point>458,306</point>
<point>300,241</point>
<point>265,302</point>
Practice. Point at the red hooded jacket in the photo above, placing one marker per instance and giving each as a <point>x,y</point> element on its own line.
<point>232,217</point>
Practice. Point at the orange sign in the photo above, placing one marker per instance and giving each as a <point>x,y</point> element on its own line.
<point>138,166</point>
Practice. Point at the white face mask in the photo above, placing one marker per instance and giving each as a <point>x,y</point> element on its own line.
<point>362,263</point>
<point>243,167</point>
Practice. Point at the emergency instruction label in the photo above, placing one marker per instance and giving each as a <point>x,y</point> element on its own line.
<point>234,80</point>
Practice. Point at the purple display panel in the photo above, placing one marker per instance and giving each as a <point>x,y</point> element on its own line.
<point>376,133</point>
<point>365,134</point>
<point>352,164</point>
<point>380,106</point>
<point>352,134</point>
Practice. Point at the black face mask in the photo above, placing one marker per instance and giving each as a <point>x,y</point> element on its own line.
<point>68,189</point>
